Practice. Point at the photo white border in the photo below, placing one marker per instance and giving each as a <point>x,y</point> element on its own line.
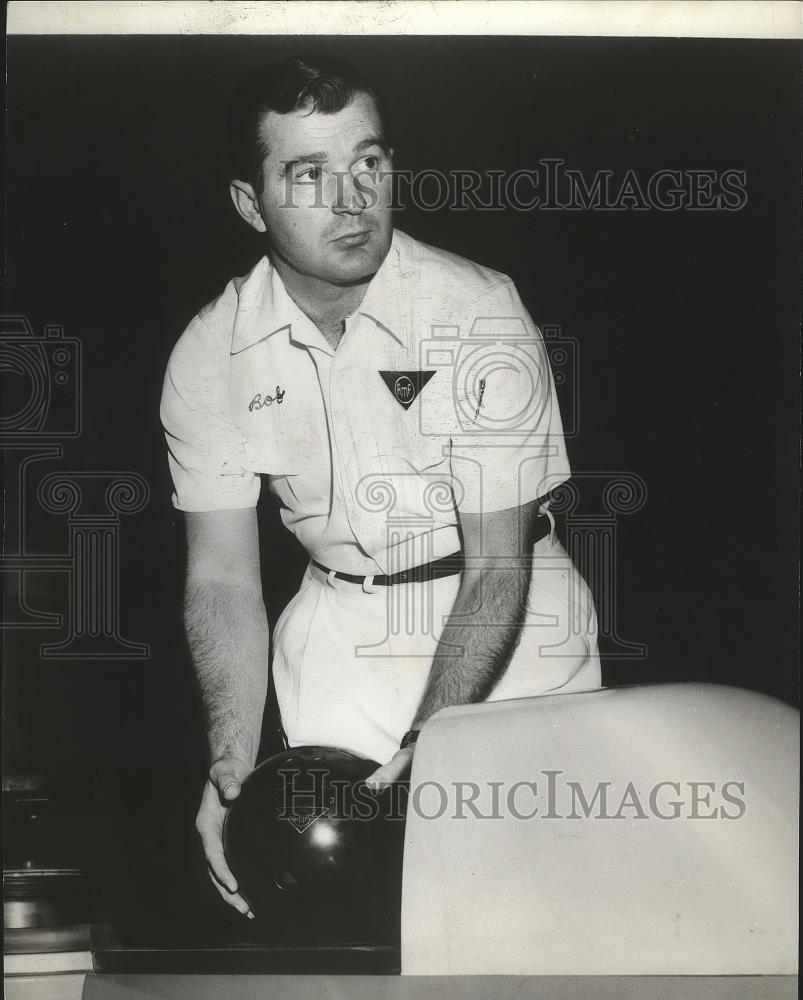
<point>769,19</point>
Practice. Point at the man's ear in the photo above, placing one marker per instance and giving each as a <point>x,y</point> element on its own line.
<point>247,204</point>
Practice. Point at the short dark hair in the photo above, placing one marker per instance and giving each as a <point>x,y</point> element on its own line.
<point>319,83</point>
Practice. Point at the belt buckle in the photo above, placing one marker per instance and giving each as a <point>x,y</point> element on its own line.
<point>368,585</point>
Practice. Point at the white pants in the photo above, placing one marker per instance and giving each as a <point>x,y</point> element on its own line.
<point>350,666</point>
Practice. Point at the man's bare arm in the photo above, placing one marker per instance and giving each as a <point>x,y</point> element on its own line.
<point>227,631</point>
<point>485,621</point>
<point>227,628</point>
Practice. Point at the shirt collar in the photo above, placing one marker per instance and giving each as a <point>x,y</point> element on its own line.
<point>386,298</point>
<point>264,306</point>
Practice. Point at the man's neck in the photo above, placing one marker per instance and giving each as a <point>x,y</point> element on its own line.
<point>327,305</point>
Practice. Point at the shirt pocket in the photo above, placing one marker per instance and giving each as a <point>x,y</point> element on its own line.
<point>268,453</point>
<point>266,406</point>
<point>409,483</point>
<point>287,438</point>
<point>425,454</point>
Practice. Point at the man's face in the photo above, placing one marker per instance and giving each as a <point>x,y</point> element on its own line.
<point>326,194</point>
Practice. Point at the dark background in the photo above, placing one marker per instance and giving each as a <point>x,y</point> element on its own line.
<point>119,226</point>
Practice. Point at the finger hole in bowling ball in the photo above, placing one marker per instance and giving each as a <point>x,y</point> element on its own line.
<point>286,881</point>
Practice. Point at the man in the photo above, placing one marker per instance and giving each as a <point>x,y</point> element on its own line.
<point>399,401</point>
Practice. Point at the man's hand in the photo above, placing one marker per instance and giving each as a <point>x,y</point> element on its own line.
<point>225,780</point>
<point>396,769</point>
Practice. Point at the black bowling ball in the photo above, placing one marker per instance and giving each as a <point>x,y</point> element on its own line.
<point>314,851</point>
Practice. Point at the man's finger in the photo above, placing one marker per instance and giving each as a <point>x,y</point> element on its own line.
<point>229,787</point>
<point>217,864</point>
<point>226,782</point>
<point>227,776</point>
<point>233,899</point>
<point>395,770</point>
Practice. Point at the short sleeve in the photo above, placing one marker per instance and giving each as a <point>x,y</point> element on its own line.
<point>507,443</point>
<point>205,449</point>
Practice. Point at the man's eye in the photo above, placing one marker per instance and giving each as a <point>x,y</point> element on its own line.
<point>308,174</point>
<point>368,164</point>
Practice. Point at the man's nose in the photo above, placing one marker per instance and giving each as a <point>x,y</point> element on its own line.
<point>349,199</point>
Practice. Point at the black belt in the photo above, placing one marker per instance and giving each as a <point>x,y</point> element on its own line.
<point>447,566</point>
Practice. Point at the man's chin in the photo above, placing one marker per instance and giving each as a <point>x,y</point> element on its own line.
<point>355,264</point>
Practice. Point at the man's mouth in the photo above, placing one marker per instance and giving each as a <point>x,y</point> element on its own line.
<point>354,239</point>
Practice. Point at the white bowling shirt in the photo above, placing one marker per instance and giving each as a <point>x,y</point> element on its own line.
<point>371,469</point>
